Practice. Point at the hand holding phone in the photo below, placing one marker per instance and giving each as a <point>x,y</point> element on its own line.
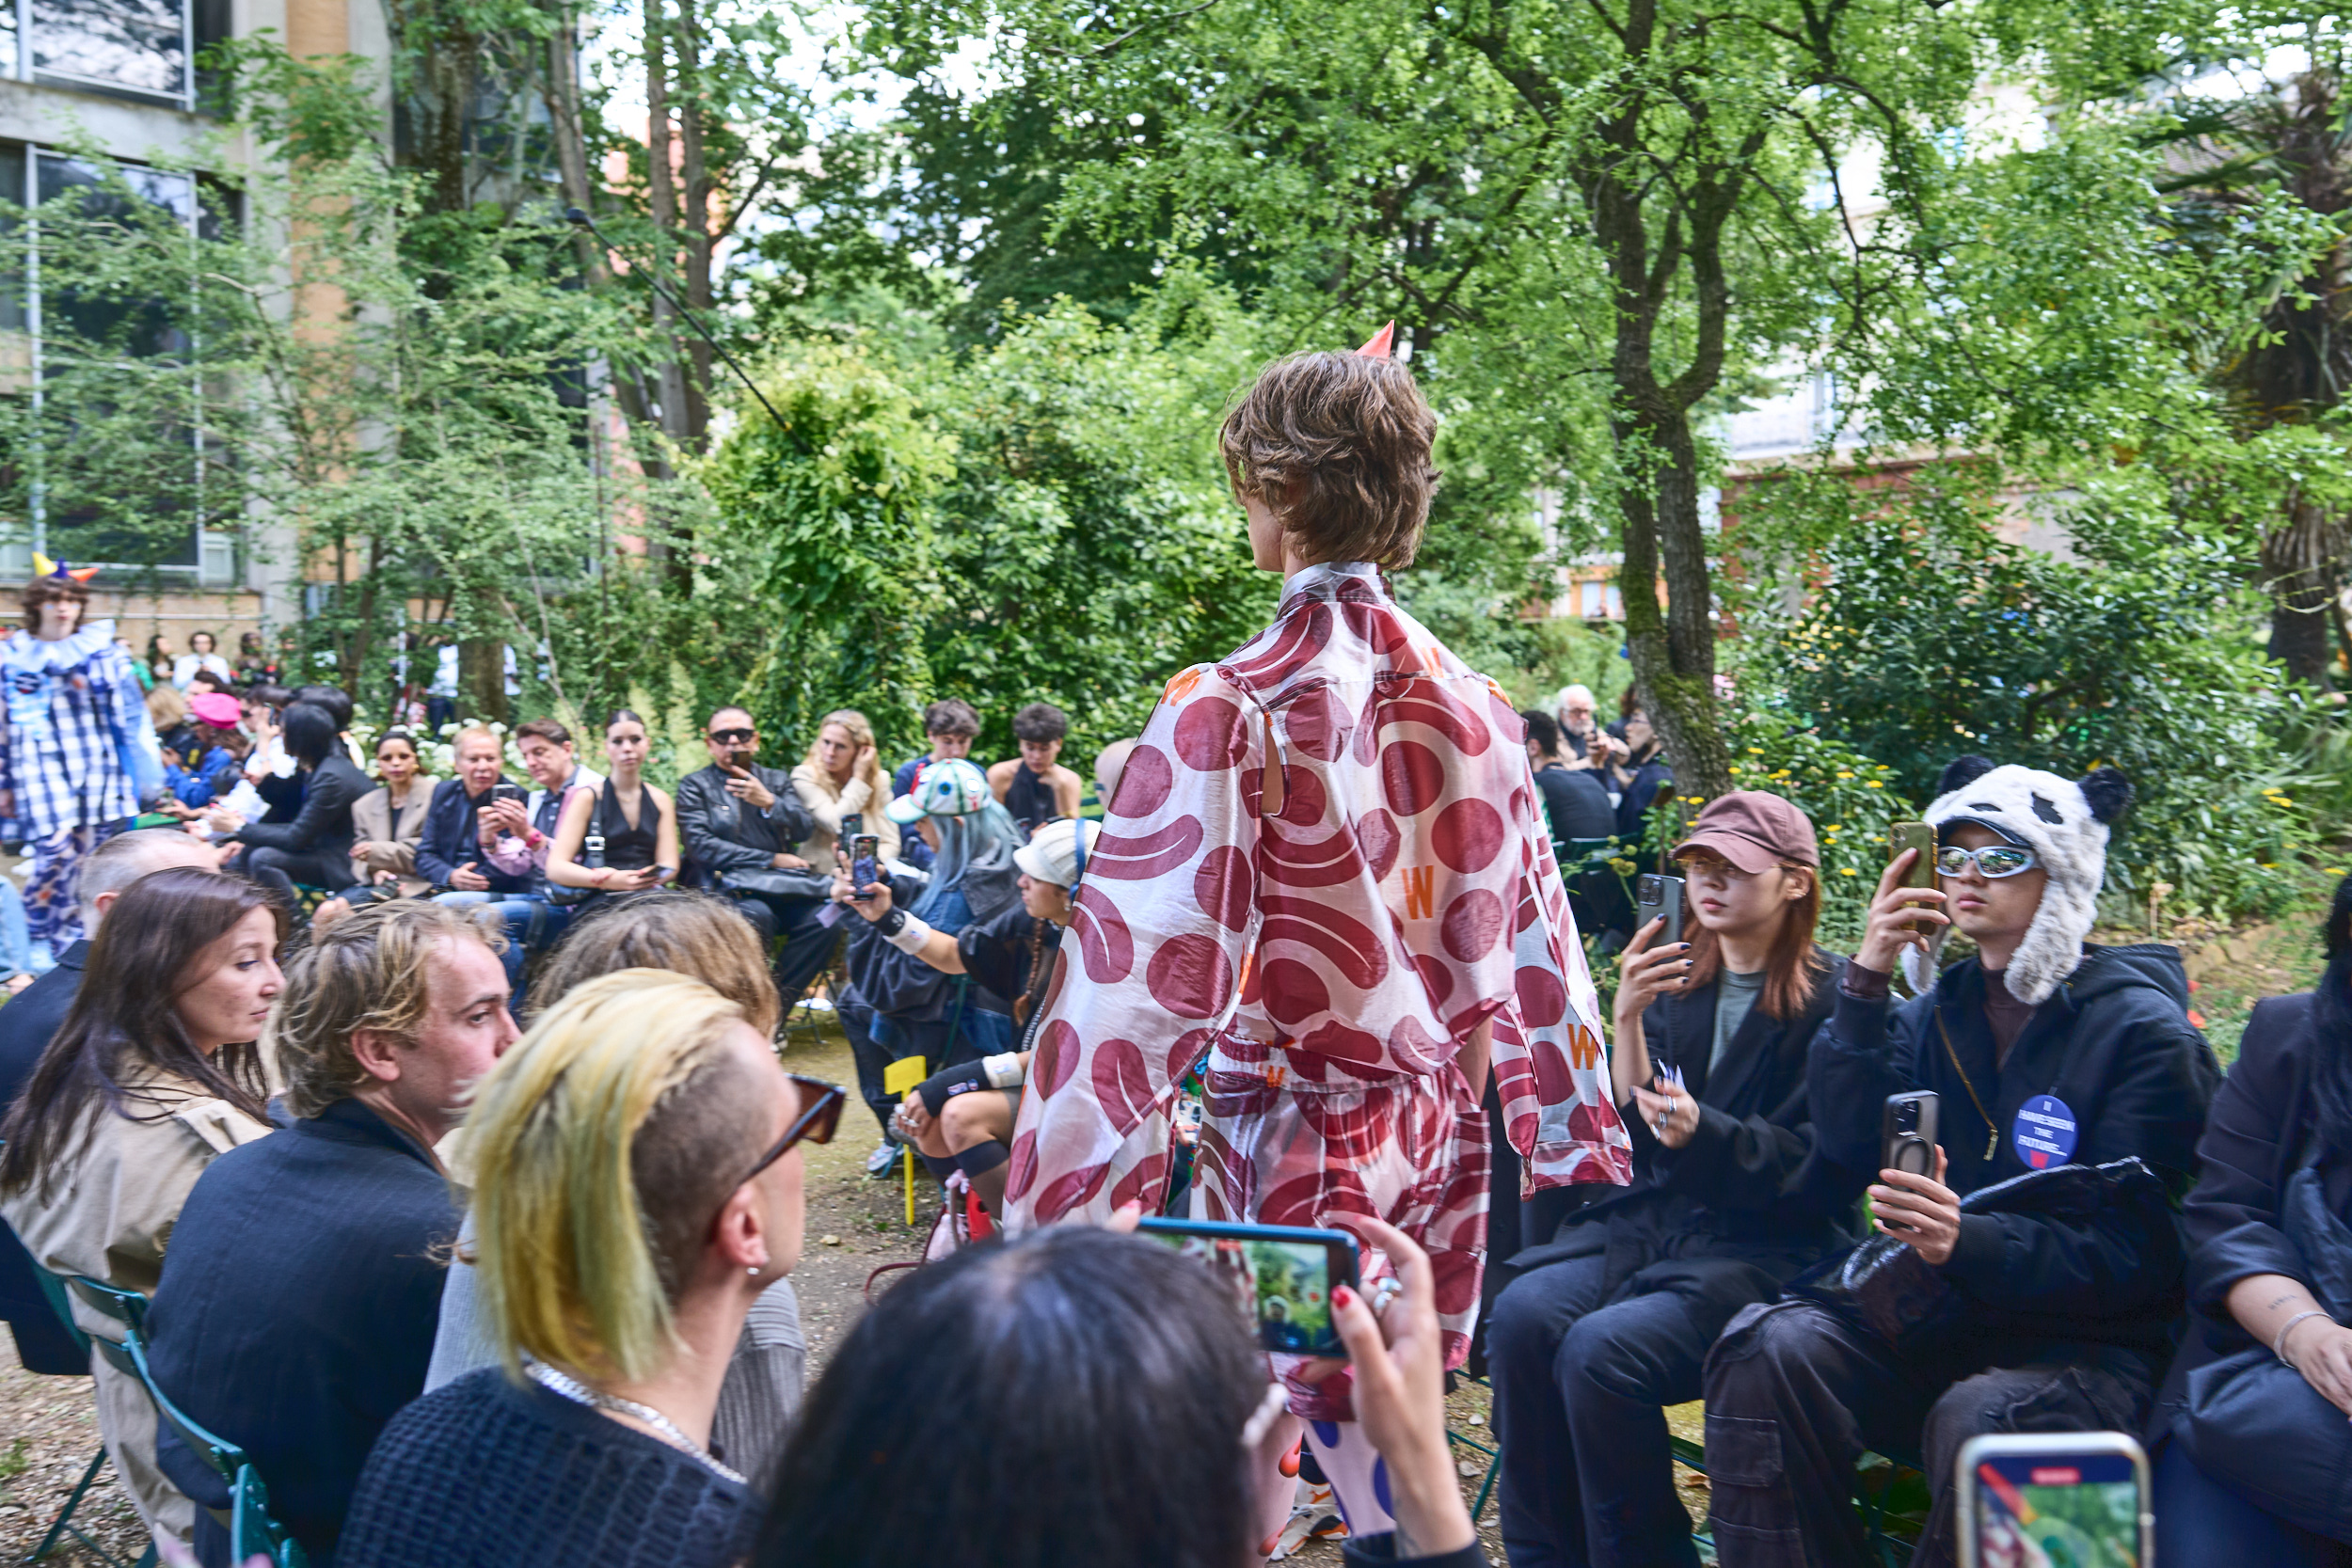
<point>1657,896</point>
<point>1282,1275</point>
<point>1907,1132</point>
<point>865,865</point>
<point>1919,838</point>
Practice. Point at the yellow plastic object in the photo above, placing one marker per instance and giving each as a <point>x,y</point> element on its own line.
<point>903,1075</point>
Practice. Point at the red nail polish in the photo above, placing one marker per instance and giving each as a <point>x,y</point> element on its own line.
<point>1342,1297</point>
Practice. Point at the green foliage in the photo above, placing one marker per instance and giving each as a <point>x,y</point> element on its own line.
<point>1850,797</point>
<point>1931,636</point>
<point>835,501</point>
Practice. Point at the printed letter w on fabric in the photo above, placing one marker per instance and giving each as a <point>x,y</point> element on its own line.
<point>1419,900</point>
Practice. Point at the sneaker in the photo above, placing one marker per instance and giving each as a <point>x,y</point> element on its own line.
<point>883,1159</point>
<point>1315,1516</point>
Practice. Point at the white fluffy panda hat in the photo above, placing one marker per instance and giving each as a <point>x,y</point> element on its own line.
<point>2063,823</point>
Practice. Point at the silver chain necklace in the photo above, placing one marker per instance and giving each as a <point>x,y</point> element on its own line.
<point>665,1429</point>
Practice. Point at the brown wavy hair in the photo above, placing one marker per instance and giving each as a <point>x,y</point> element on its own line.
<point>1338,446</point>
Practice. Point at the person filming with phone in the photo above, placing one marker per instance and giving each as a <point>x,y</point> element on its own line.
<point>2030,1283</point>
<point>1610,1321</point>
<point>741,825</point>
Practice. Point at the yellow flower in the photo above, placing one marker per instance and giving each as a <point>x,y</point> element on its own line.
<point>1835,825</point>
<point>1843,774</point>
<point>2281,801</point>
<point>2333,871</point>
<point>1755,750</point>
<point>1847,871</point>
<point>1872,784</point>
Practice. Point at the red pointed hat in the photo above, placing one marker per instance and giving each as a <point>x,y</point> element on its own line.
<point>1383,342</point>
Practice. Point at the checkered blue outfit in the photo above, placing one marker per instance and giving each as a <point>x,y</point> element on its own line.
<point>77,755</point>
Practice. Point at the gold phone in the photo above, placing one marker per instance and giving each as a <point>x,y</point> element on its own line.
<point>1914,835</point>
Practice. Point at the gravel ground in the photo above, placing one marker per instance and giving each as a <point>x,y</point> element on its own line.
<point>855,1225</point>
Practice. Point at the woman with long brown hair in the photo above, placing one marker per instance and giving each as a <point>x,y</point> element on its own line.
<point>1610,1321</point>
<point>154,1072</point>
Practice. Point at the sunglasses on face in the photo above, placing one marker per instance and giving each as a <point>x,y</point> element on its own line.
<point>821,1114</point>
<point>1994,860</point>
<point>734,737</point>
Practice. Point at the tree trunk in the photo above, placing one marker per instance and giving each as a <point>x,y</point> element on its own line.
<point>1673,645</point>
<point>695,219</point>
<point>2298,564</point>
<point>481,679</point>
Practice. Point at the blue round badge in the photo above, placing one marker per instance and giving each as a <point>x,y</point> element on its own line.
<point>2044,1133</point>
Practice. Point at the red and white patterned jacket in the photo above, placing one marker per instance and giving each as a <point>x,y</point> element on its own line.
<point>1327,959</point>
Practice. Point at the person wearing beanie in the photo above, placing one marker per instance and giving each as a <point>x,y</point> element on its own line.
<point>2029,1306</point>
<point>1012,957</point>
<point>1610,1321</point>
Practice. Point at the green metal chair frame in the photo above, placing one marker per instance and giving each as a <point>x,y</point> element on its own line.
<point>1492,1450</point>
<point>63,1524</point>
<point>251,1529</point>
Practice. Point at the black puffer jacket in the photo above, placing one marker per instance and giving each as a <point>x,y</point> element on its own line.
<point>2114,1044</point>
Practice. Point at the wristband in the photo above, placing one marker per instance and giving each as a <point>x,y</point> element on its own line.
<point>910,936</point>
<point>2278,1343</point>
<point>892,922</point>
<point>1004,1071</point>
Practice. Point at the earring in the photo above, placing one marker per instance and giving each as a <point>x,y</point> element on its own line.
<point>754,1269</point>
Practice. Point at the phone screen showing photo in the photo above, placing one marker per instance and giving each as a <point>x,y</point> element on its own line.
<point>1285,1286</point>
<point>2079,1509</point>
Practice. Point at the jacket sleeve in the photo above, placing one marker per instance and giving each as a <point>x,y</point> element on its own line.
<point>1769,1163</point>
<point>1866,1051</point>
<point>2232,1214</point>
<point>1160,928</point>
<point>697,825</point>
<point>2048,1264</point>
<point>825,809</point>
<point>432,862</point>
<point>324,817</point>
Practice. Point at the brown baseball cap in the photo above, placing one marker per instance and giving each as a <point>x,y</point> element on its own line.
<point>1753,832</point>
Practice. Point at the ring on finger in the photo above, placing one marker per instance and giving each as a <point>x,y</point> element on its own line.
<point>1385,1292</point>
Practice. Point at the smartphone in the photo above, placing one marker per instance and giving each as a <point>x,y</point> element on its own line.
<point>1282,1275</point>
<point>516,793</point>
<point>853,824</point>
<point>1907,1133</point>
<point>1914,835</point>
<point>1655,895</point>
<point>864,865</point>
<point>2075,1498</point>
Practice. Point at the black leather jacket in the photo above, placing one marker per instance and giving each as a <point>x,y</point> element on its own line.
<point>722,834</point>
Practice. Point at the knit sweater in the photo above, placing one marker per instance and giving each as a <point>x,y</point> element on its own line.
<point>483,1474</point>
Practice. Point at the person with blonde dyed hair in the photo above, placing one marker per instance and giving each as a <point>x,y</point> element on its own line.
<point>840,777</point>
<point>639,1185</point>
<point>385,1024</point>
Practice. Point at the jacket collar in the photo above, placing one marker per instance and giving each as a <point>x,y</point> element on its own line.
<point>75,956</point>
<point>1326,580</point>
<point>354,1121</point>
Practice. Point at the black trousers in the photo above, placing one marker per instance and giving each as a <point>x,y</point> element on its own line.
<point>280,869</point>
<point>1795,1394</point>
<point>1580,1390</point>
<point>808,942</point>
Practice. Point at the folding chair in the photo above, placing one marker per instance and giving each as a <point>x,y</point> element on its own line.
<point>63,1525</point>
<point>1492,1450</point>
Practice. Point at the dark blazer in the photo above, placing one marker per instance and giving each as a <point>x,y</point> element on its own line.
<point>2253,1142</point>
<point>27,1025</point>
<point>324,823</point>
<point>299,1304</point>
<point>452,837</point>
<point>721,833</point>
<point>2114,1042</point>
<point>1752,1189</point>
<point>1576,801</point>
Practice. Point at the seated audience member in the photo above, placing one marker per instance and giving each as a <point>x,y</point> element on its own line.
<point>26,1027</point>
<point>895,1005</point>
<point>517,835</point>
<point>168,710</point>
<point>303,1284</point>
<point>202,654</point>
<point>2251,1470</point>
<point>1577,729</point>
<point>950,726</point>
<point>841,778</point>
<point>205,681</point>
<point>704,939</point>
<point>1611,1321</point>
<point>315,846</point>
<point>159,661</point>
<point>2043,1051</point>
<point>1574,801</point>
<point>215,753</point>
<point>741,826</point>
<point>253,666</point>
<point>1078,1398</point>
<point>633,825</point>
<point>1035,788</point>
<point>152,1073</point>
<point>1637,771</point>
<point>1011,955</point>
<point>464,824</point>
<point>638,1186</point>
<point>389,822</point>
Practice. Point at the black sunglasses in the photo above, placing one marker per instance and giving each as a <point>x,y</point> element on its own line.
<point>814,1124</point>
<point>734,737</point>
